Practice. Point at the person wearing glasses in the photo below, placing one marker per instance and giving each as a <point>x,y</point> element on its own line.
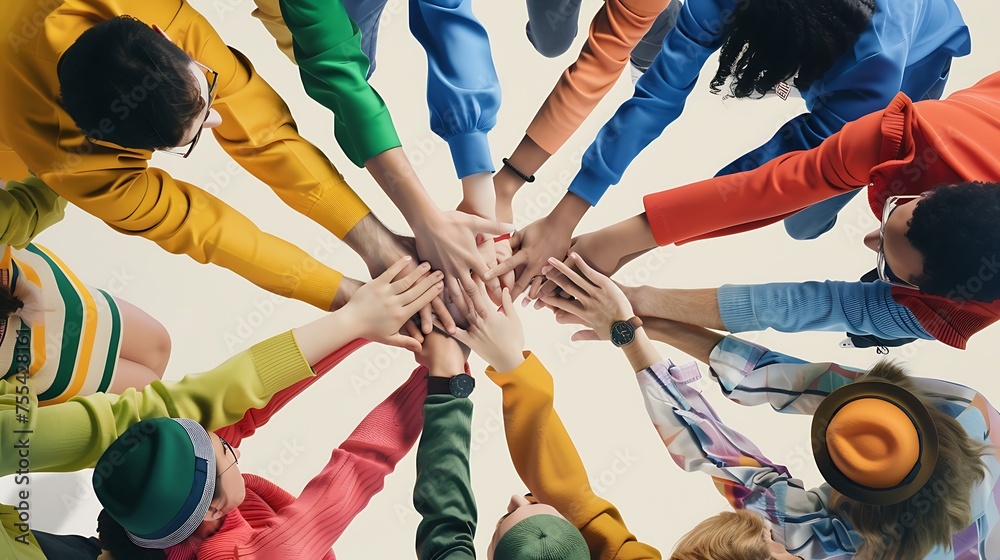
<point>933,178</point>
<point>114,82</point>
<point>910,465</point>
<point>844,58</point>
<point>231,400</point>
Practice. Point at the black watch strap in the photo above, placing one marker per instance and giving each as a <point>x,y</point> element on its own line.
<point>438,385</point>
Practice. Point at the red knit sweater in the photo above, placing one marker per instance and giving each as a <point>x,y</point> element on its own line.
<point>908,148</point>
<point>271,523</point>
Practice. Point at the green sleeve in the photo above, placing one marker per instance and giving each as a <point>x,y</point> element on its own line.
<point>26,208</point>
<point>443,491</point>
<point>334,69</point>
<point>72,435</point>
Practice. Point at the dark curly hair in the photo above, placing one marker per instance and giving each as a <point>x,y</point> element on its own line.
<point>768,41</point>
<point>123,82</point>
<point>114,540</point>
<point>955,229</point>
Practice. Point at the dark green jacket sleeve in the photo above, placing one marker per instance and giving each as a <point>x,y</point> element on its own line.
<point>327,45</point>
<point>443,492</point>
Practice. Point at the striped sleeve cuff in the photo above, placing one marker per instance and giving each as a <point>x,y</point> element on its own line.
<point>279,362</point>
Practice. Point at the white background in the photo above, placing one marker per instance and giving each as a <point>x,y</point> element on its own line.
<point>212,313</point>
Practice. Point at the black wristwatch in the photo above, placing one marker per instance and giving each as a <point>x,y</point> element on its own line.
<point>623,332</point>
<point>460,386</point>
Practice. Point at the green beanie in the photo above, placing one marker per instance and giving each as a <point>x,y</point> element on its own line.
<point>542,537</point>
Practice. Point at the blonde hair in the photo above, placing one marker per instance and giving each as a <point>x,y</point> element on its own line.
<point>731,535</point>
<point>911,529</point>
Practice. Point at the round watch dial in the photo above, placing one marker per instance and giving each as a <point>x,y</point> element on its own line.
<point>622,333</point>
<point>462,385</point>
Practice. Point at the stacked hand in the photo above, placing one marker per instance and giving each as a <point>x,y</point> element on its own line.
<point>532,247</point>
<point>497,337</point>
<point>383,305</point>
<point>597,301</point>
<point>600,249</point>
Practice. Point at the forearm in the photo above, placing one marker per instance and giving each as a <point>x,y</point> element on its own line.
<point>321,337</point>
<point>640,352</point>
<point>478,196</point>
<point>692,306</point>
<point>393,172</point>
<point>694,341</point>
<point>443,490</point>
<point>528,158</point>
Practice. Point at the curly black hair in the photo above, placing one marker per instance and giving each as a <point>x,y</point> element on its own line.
<point>768,41</point>
<point>955,229</point>
<point>123,82</point>
<point>114,540</point>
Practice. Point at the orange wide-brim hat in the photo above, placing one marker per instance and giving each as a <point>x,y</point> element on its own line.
<point>874,442</point>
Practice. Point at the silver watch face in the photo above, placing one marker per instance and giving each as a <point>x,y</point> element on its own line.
<point>622,333</point>
<point>462,385</point>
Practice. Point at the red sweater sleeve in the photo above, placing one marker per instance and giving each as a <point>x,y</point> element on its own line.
<point>752,199</point>
<point>257,417</point>
<point>308,528</point>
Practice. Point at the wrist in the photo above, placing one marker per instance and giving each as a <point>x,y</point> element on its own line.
<point>508,361</point>
<point>345,291</point>
<point>506,183</point>
<point>636,296</point>
<point>568,212</point>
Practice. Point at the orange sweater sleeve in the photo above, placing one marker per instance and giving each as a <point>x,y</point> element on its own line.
<point>614,32</point>
<point>744,201</point>
<point>549,465</point>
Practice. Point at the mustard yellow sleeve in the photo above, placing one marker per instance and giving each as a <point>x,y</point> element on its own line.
<point>550,466</point>
<point>71,436</point>
<point>258,132</point>
<point>26,208</point>
<point>269,14</point>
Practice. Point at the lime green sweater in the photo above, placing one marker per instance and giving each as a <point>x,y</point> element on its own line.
<point>71,436</point>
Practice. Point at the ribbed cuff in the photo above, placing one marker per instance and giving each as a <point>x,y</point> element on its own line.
<point>339,210</point>
<point>470,151</point>
<point>656,216</point>
<point>279,362</point>
<point>737,309</point>
<point>589,185</point>
<point>319,286</point>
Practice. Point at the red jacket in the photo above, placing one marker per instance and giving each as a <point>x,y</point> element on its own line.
<point>908,148</point>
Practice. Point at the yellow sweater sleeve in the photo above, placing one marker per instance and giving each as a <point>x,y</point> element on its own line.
<point>550,466</point>
<point>26,208</point>
<point>71,436</point>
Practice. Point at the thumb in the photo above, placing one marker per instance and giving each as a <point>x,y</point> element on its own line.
<point>585,335</point>
<point>404,342</point>
<point>493,227</point>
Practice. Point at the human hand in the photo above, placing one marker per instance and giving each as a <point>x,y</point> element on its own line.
<point>497,337</point>
<point>532,246</point>
<point>442,355</point>
<point>382,306</point>
<point>597,301</point>
<point>602,249</point>
<point>448,241</point>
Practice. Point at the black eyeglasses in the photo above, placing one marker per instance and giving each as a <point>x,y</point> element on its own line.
<point>885,273</point>
<point>226,447</point>
<point>213,79</point>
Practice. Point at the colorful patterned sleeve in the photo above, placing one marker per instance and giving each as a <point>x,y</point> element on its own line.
<point>698,441</point>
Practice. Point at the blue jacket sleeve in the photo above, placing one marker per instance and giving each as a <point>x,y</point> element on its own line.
<point>463,90</point>
<point>857,307</point>
<point>658,99</point>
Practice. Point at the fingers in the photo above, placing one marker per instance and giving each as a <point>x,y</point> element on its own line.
<point>405,342</point>
<point>395,269</point>
<point>441,311</point>
<point>585,335</point>
<point>410,329</point>
<point>516,260</point>
<point>463,337</point>
<point>491,227</point>
<point>425,298</point>
<point>426,316</point>
<point>549,287</point>
<point>507,303</point>
<point>596,277</point>
<point>560,279</point>
<point>417,290</point>
<point>572,275</point>
<point>407,281</point>
<point>477,300</point>
<point>568,305</point>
